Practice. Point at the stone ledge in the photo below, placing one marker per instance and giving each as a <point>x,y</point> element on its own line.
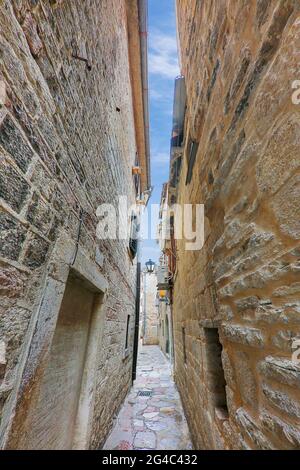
<point>252,431</point>
<point>282,370</point>
<point>244,335</point>
<point>282,401</point>
<point>281,430</point>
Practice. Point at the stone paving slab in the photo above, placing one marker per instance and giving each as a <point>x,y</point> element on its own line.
<point>151,422</point>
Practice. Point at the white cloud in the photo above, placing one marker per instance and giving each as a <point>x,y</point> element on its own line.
<point>160,158</point>
<point>149,252</point>
<point>156,95</point>
<point>163,58</point>
<point>163,99</point>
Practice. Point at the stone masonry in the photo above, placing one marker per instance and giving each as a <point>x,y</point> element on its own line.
<point>240,59</point>
<point>67,144</point>
<point>149,309</point>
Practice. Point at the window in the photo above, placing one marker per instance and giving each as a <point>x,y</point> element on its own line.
<point>134,235</point>
<point>127,333</point>
<point>184,345</point>
<point>191,153</point>
<point>137,178</point>
<point>216,377</point>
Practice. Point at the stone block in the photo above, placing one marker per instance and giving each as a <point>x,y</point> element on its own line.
<point>252,431</point>
<point>46,185</point>
<point>262,9</point>
<point>14,189</point>
<point>30,29</point>
<point>228,370</point>
<point>246,381</point>
<point>258,279</point>
<point>234,439</point>
<point>5,391</point>
<point>145,440</point>
<point>230,401</point>
<point>39,214</point>
<point>286,208</point>
<point>2,93</point>
<point>291,313</point>
<point>244,335</point>
<point>12,236</point>
<point>225,313</point>
<point>274,96</point>
<point>282,401</point>
<point>280,159</point>
<point>287,436</point>
<point>284,339</point>
<point>268,314</point>
<point>36,252</point>
<point>11,282</point>
<point>15,144</point>
<point>238,80</point>
<point>286,291</point>
<point>281,370</point>
<point>247,304</point>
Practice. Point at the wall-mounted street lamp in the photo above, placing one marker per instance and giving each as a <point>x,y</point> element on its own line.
<point>136,170</point>
<point>150,266</point>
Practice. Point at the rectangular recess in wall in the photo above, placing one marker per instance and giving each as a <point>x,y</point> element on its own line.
<point>127,333</point>
<point>192,153</point>
<point>184,344</point>
<point>54,422</point>
<point>215,373</point>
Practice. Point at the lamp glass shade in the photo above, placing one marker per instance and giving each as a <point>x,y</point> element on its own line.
<point>150,266</point>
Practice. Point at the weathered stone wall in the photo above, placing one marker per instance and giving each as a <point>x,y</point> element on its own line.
<point>150,309</point>
<point>67,144</point>
<point>240,59</point>
<point>165,335</point>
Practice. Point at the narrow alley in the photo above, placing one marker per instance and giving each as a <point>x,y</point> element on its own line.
<point>152,416</point>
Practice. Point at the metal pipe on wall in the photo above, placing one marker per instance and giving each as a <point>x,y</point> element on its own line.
<point>143,24</point>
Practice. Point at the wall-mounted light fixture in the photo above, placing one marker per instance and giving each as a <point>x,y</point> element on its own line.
<point>136,170</point>
<point>150,265</point>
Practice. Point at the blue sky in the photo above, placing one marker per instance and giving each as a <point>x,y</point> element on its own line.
<point>163,68</point>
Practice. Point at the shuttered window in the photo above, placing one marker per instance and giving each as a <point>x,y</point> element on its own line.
<point>192,153</point>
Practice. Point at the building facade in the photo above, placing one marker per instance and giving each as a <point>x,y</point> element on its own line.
<point>149,308</point>
<point>164,276</point>
<point>165,331</point>
<point>236,301</point>
<point>73,124</point>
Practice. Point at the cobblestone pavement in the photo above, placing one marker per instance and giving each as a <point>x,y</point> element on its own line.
<point>151,422</point>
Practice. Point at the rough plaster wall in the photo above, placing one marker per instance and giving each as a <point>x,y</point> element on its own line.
<point>240,59</point>
<point>64,149</point>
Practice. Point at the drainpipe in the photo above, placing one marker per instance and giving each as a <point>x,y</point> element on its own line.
<point>137,320</point>
<point>145,307</point>
<point>143,30</point>
<point>143,26</point>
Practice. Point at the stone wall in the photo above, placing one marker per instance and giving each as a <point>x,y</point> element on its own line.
<point>240,59</point>
<point>67,144</point>
<point>149,309</point>
<point>165,335</point>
